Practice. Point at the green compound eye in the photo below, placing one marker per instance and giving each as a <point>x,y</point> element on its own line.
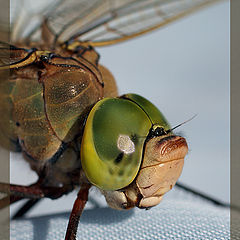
<point>153,113</point>
<point>113,139</point>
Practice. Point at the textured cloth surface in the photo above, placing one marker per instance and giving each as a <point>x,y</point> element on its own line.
<point>181,215</point>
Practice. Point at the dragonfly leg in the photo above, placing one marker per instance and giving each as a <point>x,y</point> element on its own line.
<point>19,191</point>
<point>8,198</point>
<point>34,191</point>
<point>77,209</point>
<point>25,208</point>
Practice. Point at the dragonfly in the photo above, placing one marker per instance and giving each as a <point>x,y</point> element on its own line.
<point>63,111</point>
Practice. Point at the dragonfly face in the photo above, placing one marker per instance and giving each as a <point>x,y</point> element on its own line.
<point>162,165</point>
<point>134,159</point>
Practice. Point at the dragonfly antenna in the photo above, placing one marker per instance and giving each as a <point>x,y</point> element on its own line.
<point>170,130</point>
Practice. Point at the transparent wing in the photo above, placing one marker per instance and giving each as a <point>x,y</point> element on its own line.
<point>27,16</point>
<point>102,22</point>
<point>115,21</point>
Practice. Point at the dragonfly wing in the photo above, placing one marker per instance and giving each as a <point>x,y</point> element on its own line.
<point>111,21</point>
<point>27,16</point>
<point>101,22</point>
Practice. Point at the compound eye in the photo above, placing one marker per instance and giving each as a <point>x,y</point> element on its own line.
<point>112,144</point>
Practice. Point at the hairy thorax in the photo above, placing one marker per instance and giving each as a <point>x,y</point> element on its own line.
<point>45,103</point>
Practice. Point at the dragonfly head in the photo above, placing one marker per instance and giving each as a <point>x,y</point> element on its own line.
<point>162,165</point>
<point>130,153</point>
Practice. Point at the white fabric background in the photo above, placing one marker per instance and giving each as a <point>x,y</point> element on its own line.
<point>180,216</point>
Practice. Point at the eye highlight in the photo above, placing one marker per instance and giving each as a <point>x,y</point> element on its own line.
<point>125,144</point>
